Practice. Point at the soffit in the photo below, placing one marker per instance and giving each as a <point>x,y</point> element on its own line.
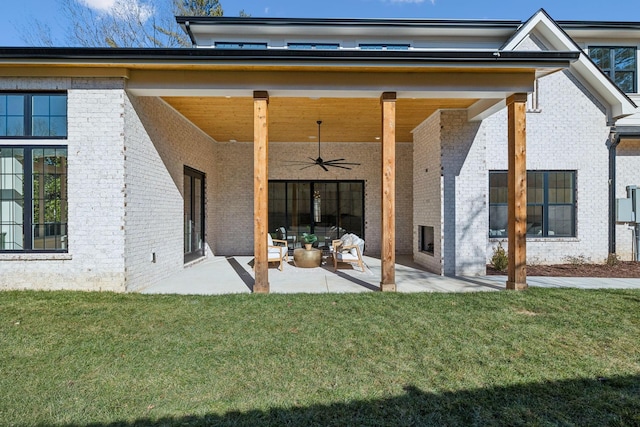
<point>294,119</point>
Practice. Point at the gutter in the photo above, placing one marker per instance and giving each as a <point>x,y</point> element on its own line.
<point>490,58</point>
<point>359,22</point>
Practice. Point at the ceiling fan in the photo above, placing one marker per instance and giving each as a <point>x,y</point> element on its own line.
<point>335,163</point>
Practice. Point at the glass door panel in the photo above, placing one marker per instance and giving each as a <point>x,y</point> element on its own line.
<point>193,214</point>
<point>299,210</point>
<point>327,209</point>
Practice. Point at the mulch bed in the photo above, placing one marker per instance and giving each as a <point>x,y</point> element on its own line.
<point>621,269</point>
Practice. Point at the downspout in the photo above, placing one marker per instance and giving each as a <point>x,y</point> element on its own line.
<point>614,140</point>
<point>187,26</point>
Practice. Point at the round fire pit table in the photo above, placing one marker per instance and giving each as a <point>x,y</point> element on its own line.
<point>307,258</point>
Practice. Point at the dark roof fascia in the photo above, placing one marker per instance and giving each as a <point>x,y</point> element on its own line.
<point>363,22</point>
<point>599,25</point>
<point>114,55</point>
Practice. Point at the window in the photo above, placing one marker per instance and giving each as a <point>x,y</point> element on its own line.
<point>384,46</point>
<point>551,208</point>
<point>33,115</point>
<point>33,199</point>
<point>308,46</point>
<point>619,63</point>
<point>236,45</point>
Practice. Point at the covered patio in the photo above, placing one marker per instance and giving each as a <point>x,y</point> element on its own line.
<point>234,275</point>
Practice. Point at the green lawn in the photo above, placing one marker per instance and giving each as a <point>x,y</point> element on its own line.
<point>540,357</point>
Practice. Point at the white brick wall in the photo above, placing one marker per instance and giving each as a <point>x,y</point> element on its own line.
<point>465,188</point>
<point>159,143</point>
<point>570,133</point>
<point>95,259</point>
<point>427,190</point>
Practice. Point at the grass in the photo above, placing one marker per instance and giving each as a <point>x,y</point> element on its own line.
<point>540,357</point>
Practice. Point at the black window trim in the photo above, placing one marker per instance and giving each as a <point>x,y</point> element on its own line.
<point>240,45</point>
<point>28,199</point>
<point>612,76</point>
<point>384,46</point>
<point>28,115</point>
<point>314,45</point>
<point>545,204</point>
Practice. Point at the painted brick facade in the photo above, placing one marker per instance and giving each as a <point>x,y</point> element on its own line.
<point>427,191</point>
<point>159,142</point>
<point>95,258</point>
<point>569,133</point>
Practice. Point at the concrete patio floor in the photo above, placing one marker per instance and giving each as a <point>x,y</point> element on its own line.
<point>234,274</point>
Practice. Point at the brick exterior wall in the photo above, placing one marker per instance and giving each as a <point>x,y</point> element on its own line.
<point>569,133</point>
<point>159,142</point>
<point>464,194</point>
<point>427,191</point>
<point>233,188</point>
<point>95,258</point>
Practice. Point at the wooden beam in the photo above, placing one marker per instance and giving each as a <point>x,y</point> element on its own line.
<point>260,190</point>
<point>388,196</point>
<point>517,192</point>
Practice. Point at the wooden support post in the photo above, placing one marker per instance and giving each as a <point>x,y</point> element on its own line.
<point>260,190</point>
<point>517,192</point>
<point>388,196</point>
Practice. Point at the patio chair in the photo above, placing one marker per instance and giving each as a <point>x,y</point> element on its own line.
<point>281,233</point>
<point>348,248</point>
<point>277,253</point>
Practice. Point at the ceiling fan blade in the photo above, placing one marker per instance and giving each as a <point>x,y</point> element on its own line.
<point>334,160</point>
<point>342,163</point>
<point>338,166</point>
<point>308,166</point>
<point>294,163</point>
<point>323,167</point>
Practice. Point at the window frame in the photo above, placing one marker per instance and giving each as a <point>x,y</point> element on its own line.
<point>545,204</point>
<point>384,46</point>
<point>28,222</point>
<point>611,71</point>
<point>241,45</point>
<point>313,46</point>
<point>28,115</point>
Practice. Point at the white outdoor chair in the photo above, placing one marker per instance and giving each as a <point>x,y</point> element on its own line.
<point>277,253</point>
<point>348,248</point>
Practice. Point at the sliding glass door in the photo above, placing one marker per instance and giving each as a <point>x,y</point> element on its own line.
<point>328,209</point>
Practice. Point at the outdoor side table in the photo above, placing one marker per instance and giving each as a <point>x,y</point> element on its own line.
<point>307,258</point>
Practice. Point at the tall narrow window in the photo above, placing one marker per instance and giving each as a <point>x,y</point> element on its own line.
<point>551,210</point>
<point>619,63</point>
<point>33,199</point>
<point>194,204</point>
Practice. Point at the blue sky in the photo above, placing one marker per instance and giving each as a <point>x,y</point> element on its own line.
<point>17,14</point>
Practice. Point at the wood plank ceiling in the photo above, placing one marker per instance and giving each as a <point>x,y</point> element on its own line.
<point>294,119</point>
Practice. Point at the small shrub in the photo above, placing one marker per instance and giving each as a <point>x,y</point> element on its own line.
<point>499,259</point>
<point>577,260</point>
<point>612,260</point>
